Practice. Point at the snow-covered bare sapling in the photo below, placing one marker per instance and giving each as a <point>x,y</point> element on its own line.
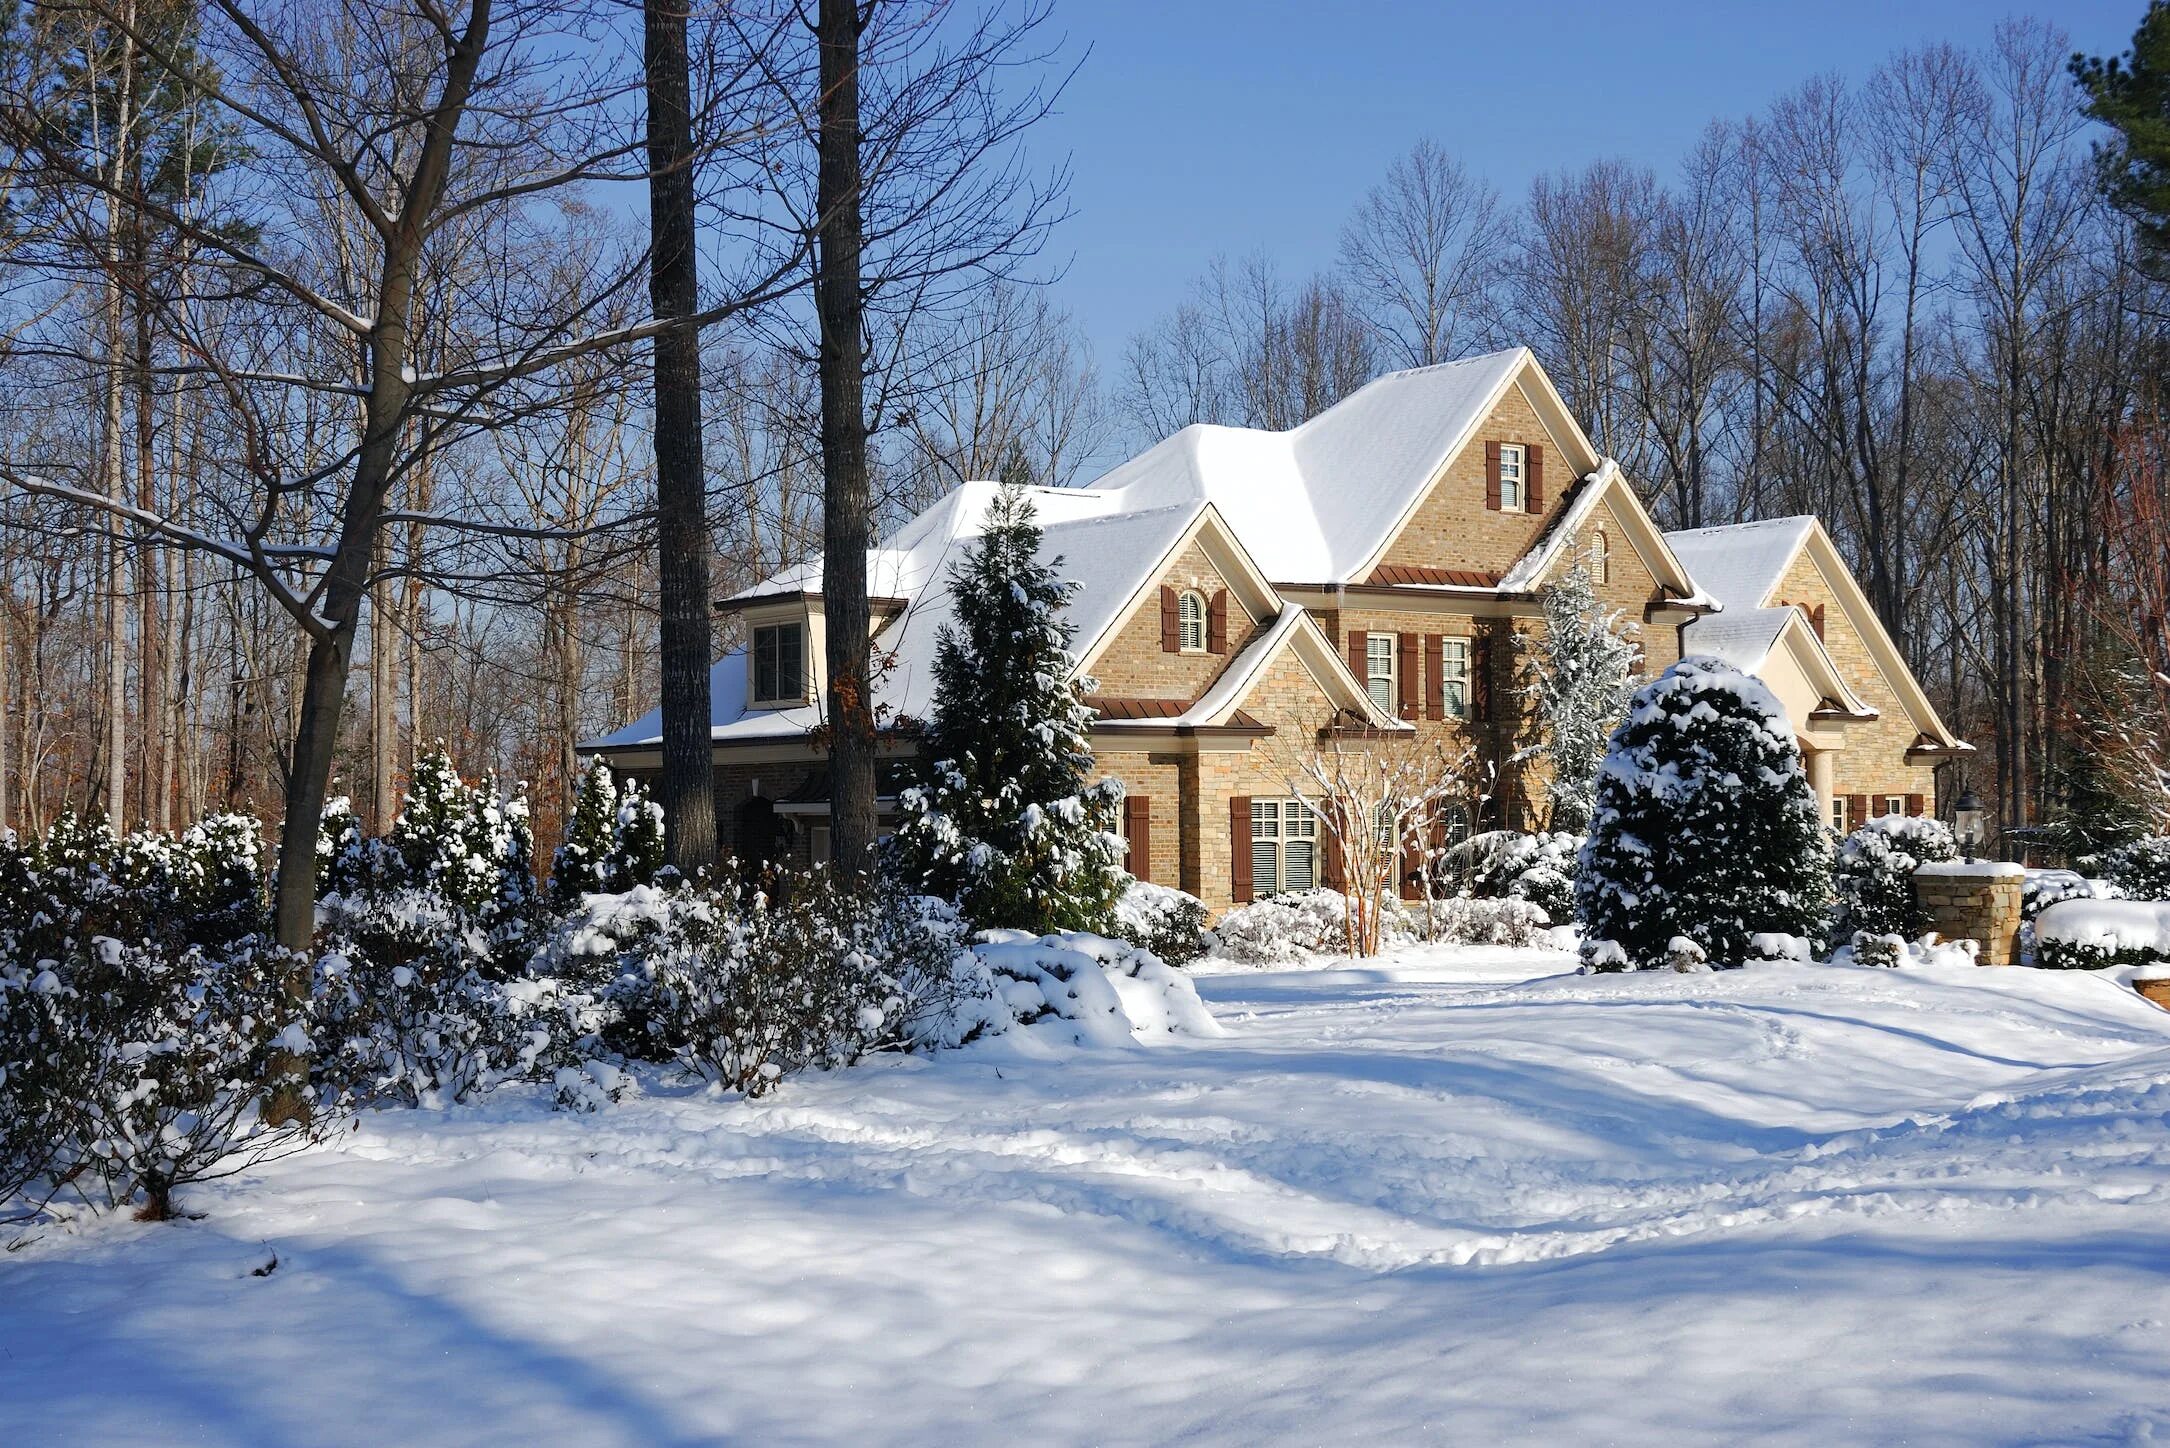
<point>1582,672</point>
<point>1706,831</point>
<point>1874,879</point>
<point>1003,816</point>
<point>613,842</point>
<point>1379,804</point>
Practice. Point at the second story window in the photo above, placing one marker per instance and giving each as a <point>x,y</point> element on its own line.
<point>1454,677</point>
<point>1513,477</point>
<point>779,663</point>
<point>1379,669</point>
<point>1190,612</point>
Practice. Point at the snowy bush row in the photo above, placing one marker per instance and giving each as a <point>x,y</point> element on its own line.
<point>1303,925</point>
<point>2084,934</point>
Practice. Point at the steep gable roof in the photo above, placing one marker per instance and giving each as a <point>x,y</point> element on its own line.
<point>1741,564</point>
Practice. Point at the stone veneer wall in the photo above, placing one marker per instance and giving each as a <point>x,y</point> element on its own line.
<point>1874,759</point>
<point>1452,528</point>
<point>1133,664</point>
<point>1978,902</point>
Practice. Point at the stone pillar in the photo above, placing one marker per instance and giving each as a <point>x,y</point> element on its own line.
<point>1977,902</point>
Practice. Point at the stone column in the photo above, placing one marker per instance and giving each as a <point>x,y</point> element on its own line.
<point>1977,902</point>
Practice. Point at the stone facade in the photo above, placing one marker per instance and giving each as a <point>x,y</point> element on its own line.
<point>1134,665</point>
<point>1874,760</point>
<point>1978,902</point>
<point>1451,526</point>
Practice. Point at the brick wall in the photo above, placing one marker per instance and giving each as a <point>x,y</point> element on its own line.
<point>1133,664</point>
<point>1874,759</point>
<point>1452,528</point>
<point>1157,775</point>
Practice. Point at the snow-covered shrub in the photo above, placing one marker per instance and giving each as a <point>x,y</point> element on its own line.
<point>1871,948</point>
<point>2140,869</point>
<point>1775,947</point>
<point>1465,921</point>
<point>1874,879</point>
<point>2092,934</point>
<point>1165,921</point>
<point>1508,864</point>
<point>1706,828</point>
<point>1083,989</point>
<point>1003,816</point>
<point>1284,927</point>
<point>613,842</point>
<point>2044,888</point>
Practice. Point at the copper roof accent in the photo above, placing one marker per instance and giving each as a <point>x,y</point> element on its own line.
<point>1412,573</point>
<point>1108,707</point>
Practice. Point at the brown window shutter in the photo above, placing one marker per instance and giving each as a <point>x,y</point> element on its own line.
<point>1239,848</point>
<point>1491,476</point>
<point>1435,676</point>
<point>1406,685</point>
<point>1332,873</point>
<point>1217,622</point>
<point>1358,665</point>
<point>1412,868</point>
<point>1913,805</point>
<point>1857,811</point>
<point>1533,464</point>
<point>1138,831</point>
<point>1480,679</point>
<point>1171,624</point>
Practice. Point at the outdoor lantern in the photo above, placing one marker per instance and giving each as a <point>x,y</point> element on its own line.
<point>1967,823</point>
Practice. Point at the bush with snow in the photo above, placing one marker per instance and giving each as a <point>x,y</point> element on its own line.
<point>1582,673</point>
<point>2141,869</point>
<point>1509,864</point>
<point>2093,934</point>
<point>613,842</point>
<point>1278,928</point>
<point>1706,830</point>
<point>1165,921</point>
<point>2044,888</point>
<point>1074,988</point>
<point>1463,920</point>
<point>1874,879</point>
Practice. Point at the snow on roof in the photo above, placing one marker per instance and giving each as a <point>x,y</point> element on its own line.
<point>1312,504</point>
<point>1741,564</point>
<point>1742,636</point>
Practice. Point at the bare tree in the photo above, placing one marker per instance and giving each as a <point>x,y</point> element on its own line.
<point>1422,256</point>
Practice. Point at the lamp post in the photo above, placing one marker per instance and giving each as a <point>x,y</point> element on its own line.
<point>1967,823</point>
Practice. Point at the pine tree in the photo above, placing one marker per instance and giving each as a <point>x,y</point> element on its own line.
<point>1581,676</point>
<point>1002,816</point>
<point>1705,827</point>
<point>613,842</point>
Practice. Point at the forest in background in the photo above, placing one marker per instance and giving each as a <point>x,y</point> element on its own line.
<point>1909,305</point>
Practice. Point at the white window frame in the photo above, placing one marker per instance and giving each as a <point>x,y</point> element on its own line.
<point>1895,804</point>
<point>1454,676</point>
<point>1284,847</point>
<point>1838,813</point>
<point>1376,644</point>
<point>753,664</point>
<point>1190,621</point>
<point>1513,478</point>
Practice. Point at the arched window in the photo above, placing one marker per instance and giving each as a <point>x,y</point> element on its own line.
<point>1190,616</point>
<point>1600,558</point>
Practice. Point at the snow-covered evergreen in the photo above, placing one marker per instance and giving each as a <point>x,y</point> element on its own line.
<point>1706,832</point>
<point>613,842</point>
<point>1003,817</point>
<point>1875,875</point>
<point>1582,673</point>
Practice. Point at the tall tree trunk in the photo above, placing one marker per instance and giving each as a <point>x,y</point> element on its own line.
<point>847,514</point>
<point>687,788</point>
<point>110,458</point>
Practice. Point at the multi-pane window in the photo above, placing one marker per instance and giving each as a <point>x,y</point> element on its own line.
<point>779,663</point>
<point>1511,477</point>
<point>1190,615</point>
<point>1838,814</point>
<point>1284,846</point>
<point>1894,804</point>
<point>1454,676</point>
<point>1379,669</point>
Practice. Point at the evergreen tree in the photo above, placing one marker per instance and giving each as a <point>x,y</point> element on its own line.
<point>613,842</point>
<point>1705,827</point>
<point>2131,95</point>
<point>1582,675</point>
<point>1002,816</point>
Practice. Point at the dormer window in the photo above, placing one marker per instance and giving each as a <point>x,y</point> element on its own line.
<point>1190,615</point>
<point>779,663</point>
<point>1513,477</point>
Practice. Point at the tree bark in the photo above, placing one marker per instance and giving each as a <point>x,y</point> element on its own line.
<point>847,522</point>
<point>687,787</point>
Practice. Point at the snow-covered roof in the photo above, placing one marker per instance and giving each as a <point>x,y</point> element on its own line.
<point>1313,504</point>
<point>1740,565</point>
<point>1743,637</point>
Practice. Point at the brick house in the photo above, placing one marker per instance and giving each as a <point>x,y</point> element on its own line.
<point>1372,575</point>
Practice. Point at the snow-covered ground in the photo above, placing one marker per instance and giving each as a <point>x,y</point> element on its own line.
<point>1460,1196</point>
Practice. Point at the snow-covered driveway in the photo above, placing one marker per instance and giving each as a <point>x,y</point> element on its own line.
<point>1454,1198</point>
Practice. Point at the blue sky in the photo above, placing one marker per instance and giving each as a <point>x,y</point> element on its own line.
<point>1197,128</point>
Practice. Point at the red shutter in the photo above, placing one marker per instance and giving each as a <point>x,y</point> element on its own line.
<point>1358,664</point>
<point>1480,678</point>
<point>1171,623</point>
<point>1138,831</point>
<point>1412,867</point>
<point>1491,476</point>
<point>1332,873</point>
<point>1239,848</point>
<point>1857,811</point>
<point>1217,622</point>
<point>1406,688</point>
<point>1533,463</point>
<point>1435,676</point>
<point>1913,805</point>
